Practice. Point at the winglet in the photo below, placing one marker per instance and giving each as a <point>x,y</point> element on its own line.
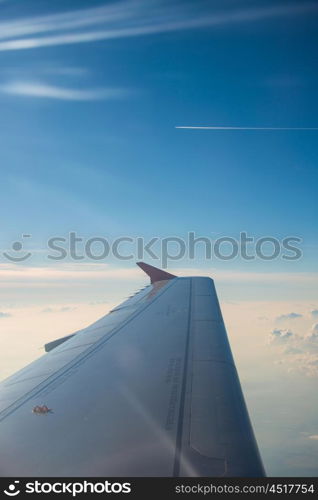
<point>154,273</point>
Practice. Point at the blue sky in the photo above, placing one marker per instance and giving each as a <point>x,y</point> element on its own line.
<point>88,137</point>
<point>90,95</point>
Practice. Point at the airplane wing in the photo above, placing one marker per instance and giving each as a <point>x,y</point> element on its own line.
<point>150,389</point>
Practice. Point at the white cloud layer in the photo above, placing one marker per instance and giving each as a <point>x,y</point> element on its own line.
<point>11,274</point>
<point>297,352</point>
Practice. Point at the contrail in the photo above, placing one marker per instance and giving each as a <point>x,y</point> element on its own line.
<point>247,128</point>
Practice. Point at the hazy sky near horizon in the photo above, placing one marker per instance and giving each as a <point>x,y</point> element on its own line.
<point>91,94</point>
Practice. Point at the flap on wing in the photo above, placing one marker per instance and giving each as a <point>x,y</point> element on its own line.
<point>51,345</point>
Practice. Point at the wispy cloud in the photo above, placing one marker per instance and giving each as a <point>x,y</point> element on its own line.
<point>4,315</point>
<point>313,334</point>
<point>132,18</point>
<point>46,91</point>
<point>42,69</point>
<point>58,310</point>
<point>291,315</point>
<point>280,336</point>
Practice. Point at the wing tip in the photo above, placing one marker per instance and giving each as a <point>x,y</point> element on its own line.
<point>155,274</point>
